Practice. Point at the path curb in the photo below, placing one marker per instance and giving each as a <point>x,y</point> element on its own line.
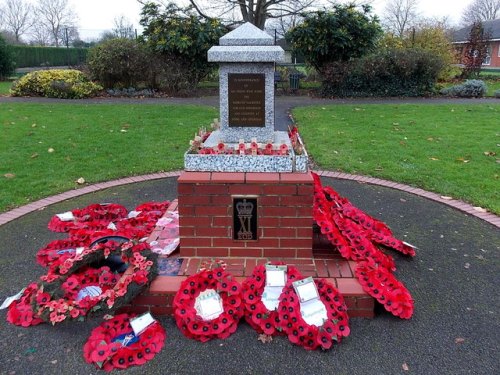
<point>454,203</point>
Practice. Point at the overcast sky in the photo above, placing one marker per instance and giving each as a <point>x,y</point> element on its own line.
<point>98,15</point>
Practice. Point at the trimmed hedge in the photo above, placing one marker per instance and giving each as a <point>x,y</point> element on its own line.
<point>399,72</point>
<point>55,83</point>
<point>28,56</point>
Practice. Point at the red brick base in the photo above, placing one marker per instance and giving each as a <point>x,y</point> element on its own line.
<point>158,299</point>
<point>284,220</point>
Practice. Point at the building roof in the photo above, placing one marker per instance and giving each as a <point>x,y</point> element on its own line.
<point>492,27</point>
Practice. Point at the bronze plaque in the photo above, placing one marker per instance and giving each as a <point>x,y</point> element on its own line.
<point>246,96</point>
<point>244,218</point>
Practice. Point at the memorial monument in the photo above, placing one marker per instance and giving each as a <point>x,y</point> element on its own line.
<point>246,190</point>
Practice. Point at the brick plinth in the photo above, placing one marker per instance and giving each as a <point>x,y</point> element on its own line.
<point>285,202</point>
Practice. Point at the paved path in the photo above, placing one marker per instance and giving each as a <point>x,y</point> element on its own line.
<point>454,280</point>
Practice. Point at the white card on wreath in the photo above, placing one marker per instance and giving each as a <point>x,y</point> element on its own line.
<point>314,312</point>
<point>271,297</point>
<point>141,322</point>
<point>306,289</point>
<point>66,216</point>
<point>11,299</point>
<point>276,275</point>
<point>208,304</point>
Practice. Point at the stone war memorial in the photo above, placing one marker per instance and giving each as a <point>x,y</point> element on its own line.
<point>253,236</point>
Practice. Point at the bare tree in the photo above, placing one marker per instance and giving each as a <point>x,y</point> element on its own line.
<point>254,11</point>
<point>481,10</point>
<point>17,17</point>
<point>399,15</point>
<point>54,14</point>
<point>39,35</point>
<point>123,28</point>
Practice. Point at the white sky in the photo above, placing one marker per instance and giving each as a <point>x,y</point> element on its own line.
<point>98,15</point>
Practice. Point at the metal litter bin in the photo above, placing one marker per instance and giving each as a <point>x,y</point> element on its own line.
<point>294,81</point>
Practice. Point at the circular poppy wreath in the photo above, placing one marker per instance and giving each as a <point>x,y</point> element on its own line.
<point>257,315</point>
<point>113,345</point>
<point>54,299</point>
<point>185,313</point>
<point>98,213</point>
<point>311,336</point>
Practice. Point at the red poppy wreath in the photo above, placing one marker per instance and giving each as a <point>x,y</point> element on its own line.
<point>73,289</point>
<point>262,318</point>
<point>101,214</point>
<point>114,345</point>
<point>208,305</point>
<point>312,336</point>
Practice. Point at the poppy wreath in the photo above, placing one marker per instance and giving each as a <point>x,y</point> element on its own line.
<point>185,314</point>
<point>20,312</point>
<point>357,236</point>
<point>310,336</point>
<point>57,251</point>
<point>98,213</point>
<point>386,289</point>
<point>108,348</point>
<point>257,315</point>
<point>55,300</point>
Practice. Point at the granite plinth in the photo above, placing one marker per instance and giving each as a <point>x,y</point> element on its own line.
<point>246,54</point>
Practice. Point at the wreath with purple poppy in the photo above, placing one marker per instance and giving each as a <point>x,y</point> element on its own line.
<point>185,313</point>
<point>113,344</point>
<point>54,299</point>
<point>311,336</point>
<point>257,315</point>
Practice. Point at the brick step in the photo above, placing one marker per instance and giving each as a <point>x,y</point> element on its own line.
<point>158,298</point>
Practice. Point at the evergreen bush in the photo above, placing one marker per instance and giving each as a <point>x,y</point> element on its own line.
<point>398,72</point>
<point>55,83</point>
<point>6,60</point>
<point>472,88</point>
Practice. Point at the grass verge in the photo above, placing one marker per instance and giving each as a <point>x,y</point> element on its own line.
<point>449,149</point>
<point>45,148</point>
<point>5,87</point>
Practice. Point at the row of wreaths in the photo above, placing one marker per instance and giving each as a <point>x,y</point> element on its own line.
<point>86,275</point>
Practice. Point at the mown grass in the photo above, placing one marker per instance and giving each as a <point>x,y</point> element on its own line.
<point>449,149</point>
<point>98,142</point>
<point>5,87</point>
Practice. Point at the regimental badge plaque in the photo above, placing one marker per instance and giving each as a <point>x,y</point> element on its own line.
<point>245,218</point>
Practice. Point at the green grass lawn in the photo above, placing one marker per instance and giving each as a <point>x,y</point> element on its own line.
<point>449,149</point>
<point>437,147</point>
<point>97,142</point>
<point>4,87</point>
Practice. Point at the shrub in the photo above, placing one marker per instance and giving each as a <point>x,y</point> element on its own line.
<point>131,92</point>
<point>472,88</point>
<point>496,94</point>
<point>398,72</point>
<point>325,37</point>
<point>6,60</point>
<point>55,83</point>
<point>119,63</point>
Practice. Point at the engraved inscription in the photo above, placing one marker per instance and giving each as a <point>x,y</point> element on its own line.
<point>244,219</point>
<point>246,96</point>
